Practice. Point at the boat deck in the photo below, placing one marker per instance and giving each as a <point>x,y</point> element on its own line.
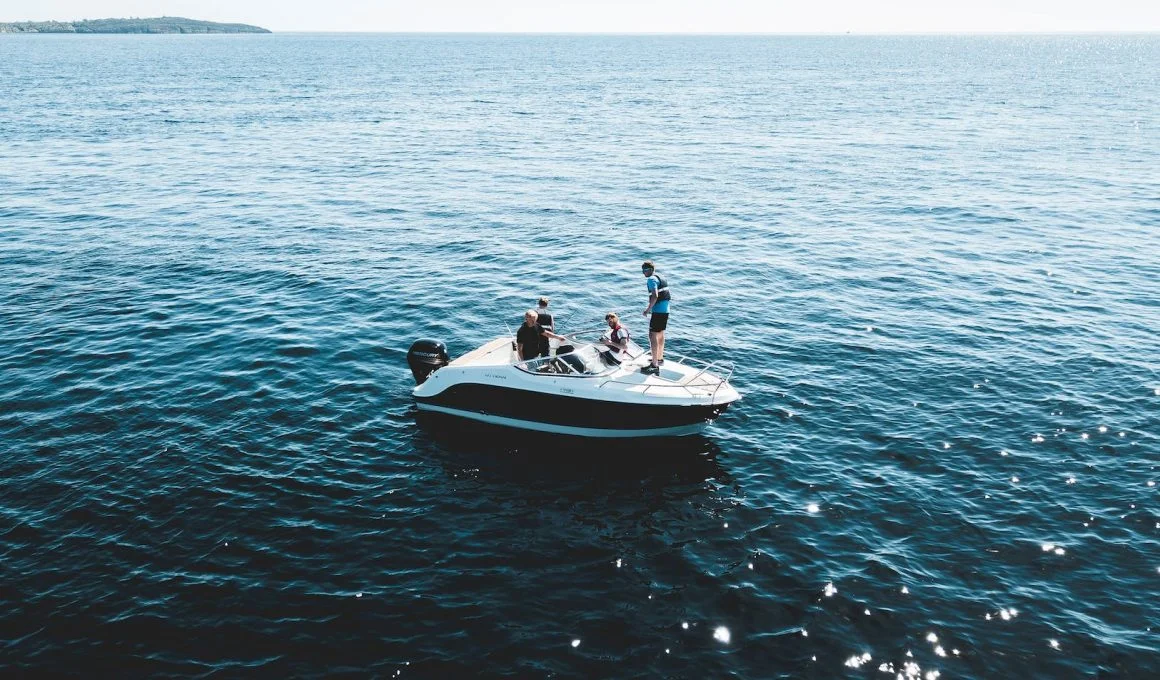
<point>498,352</point>
<point>677,379</point>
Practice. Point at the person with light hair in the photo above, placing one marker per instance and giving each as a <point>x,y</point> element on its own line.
<point>529,335</point>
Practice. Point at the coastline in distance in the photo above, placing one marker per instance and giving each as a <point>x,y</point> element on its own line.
<point>154,25</point>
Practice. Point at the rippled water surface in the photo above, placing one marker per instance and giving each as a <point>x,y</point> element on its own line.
<point>936,262</point>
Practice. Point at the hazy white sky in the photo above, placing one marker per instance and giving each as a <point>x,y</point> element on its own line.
<point>647,16</point>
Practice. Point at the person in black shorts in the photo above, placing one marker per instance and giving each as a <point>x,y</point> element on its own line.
<point>529,335</point>
<point>658,306</point>
<point>545,319</point>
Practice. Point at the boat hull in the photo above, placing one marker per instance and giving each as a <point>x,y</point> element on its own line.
<point>560,414</point>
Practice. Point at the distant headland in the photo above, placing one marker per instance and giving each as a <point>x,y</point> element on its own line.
<point>157,25</point>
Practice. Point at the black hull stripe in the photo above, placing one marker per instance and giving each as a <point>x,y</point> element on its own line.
<point>558,409</point>
<point>562,429</point>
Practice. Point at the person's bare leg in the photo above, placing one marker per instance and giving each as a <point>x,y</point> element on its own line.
<point>654,346</point>
<point>660,356</point>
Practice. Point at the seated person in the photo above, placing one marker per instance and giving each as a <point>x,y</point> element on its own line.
<point>617,341</point>
<point>529,335</point>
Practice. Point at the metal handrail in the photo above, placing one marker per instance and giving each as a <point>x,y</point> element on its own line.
<point>687,384</point>
<point>706,366</point>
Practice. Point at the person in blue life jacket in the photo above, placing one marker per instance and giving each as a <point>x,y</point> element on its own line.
<point>617,341</point>
<point>658,306</point>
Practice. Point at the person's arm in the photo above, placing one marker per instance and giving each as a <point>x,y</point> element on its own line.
<point>652,297</point>
<point>550,334</point>
<point>520,350</point>
<point>621,345</point>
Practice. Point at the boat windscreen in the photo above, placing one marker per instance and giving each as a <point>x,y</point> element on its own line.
<point>586,360</point>
<point>582,361</point>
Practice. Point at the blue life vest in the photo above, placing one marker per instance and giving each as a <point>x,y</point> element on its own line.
<point>662,290</point>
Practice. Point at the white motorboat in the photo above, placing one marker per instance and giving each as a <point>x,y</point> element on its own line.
<point>584,389</point>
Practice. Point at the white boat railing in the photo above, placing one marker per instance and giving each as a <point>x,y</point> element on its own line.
<point>726,364</point>
<point>702,379</point>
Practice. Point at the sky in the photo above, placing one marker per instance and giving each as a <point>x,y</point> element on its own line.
<point>628,16</point>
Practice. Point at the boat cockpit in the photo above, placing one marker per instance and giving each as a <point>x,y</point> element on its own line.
<point>585,361</point>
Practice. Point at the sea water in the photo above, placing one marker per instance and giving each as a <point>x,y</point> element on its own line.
<point>934,261</point>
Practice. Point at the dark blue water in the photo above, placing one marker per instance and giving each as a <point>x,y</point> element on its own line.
<point>935,261</point>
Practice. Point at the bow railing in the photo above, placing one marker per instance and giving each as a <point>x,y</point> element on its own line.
<point>699,383</point>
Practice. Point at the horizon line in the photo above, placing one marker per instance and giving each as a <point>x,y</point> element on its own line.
<point>1122,32</point>
<point>1155,32</point>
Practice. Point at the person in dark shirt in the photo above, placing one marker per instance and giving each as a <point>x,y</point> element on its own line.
<point>529,335</point>
<point>545,319</point>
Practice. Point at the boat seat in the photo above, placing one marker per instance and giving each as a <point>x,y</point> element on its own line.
<point>573,361</point>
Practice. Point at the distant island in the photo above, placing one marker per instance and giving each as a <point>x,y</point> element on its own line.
<point>157,25</point>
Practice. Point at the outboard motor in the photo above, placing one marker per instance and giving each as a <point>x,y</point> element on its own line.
<point>424,357</point>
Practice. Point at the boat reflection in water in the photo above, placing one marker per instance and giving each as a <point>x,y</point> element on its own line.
<point>537,460</point>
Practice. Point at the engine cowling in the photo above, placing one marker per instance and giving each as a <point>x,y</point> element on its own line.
<point>425,357</point>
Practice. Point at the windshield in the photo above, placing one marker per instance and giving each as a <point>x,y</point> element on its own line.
<point>582,361</point>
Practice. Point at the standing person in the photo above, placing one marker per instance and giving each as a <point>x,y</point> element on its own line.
<point>658,306</point>
<point>529,335</point>
<point>545,319</point>
<point>617,338</point>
